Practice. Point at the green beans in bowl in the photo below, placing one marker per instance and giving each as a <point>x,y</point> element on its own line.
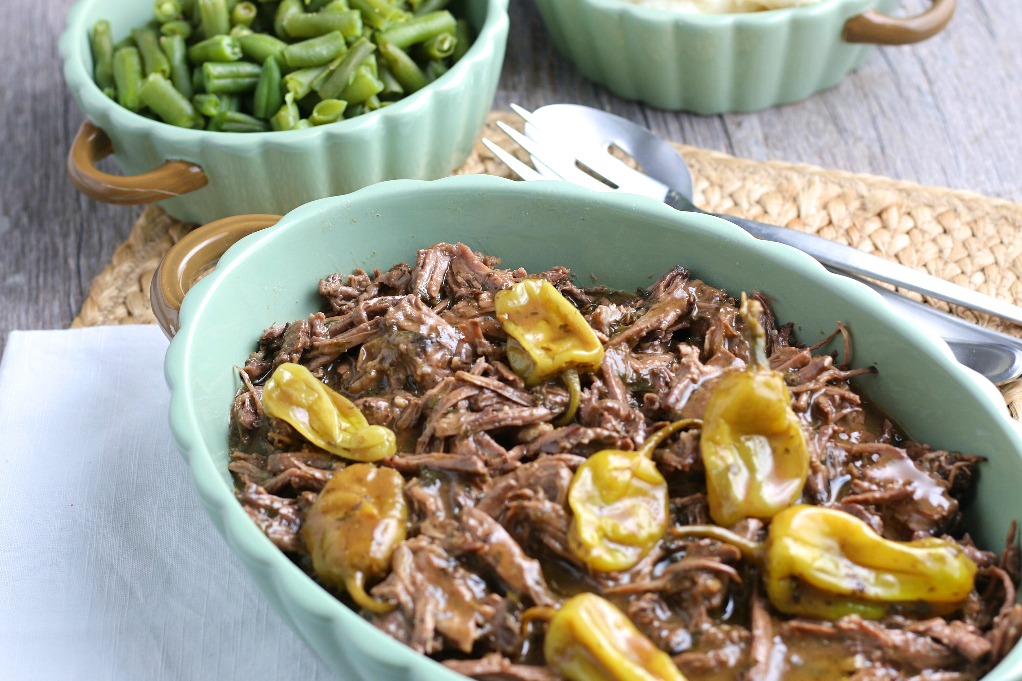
<point>188,128</point>
<point>414,346</point>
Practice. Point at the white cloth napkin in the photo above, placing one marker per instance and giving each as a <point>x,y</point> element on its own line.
<point>109,566</point>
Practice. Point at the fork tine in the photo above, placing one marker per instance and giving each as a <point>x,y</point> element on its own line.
<point>523,112</point>
<point>557,160</point>
<point>517,167</point>
<point>600,161</point>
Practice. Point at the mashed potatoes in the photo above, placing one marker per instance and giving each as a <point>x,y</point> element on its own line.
<point>722,6</point>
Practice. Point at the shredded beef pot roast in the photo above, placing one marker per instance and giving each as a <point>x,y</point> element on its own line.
<point>485,553</point>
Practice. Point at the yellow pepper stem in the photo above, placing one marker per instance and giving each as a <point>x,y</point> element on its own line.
<point>755,334</point>
<point>751,551</point>
<point>355,584</point>
<point>570,378</point>
<point>657,438</point>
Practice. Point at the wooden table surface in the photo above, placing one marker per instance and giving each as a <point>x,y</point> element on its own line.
<point>944,112</point>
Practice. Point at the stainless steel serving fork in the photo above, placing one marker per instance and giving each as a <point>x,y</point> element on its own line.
<point>571,143</point>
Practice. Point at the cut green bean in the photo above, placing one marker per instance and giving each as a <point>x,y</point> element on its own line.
<point>372,63</point>
<point>403,67</point>
<point>126,41</point>
<point>285,9</point>
<point>177,54</point>
<point>315,51</point>
<point>287,116</point>
<point>391,88</point>
<point>379,13</point>
<point>258,47</point>
<point>301,82</point>
<point>230,101</point>
<point>302,25</point>
<point>362,86</point>
<point>206,104</point>
<point>268,97</point>
<point>338,78</point>
<point>160,96</point>
<point>427,6</point>
<point>214,18</point>
<point>178,27</point>
<point>102,43</point>
<point>328,111</point>
<point>230,77</point>
<point>244,14</point>
<point>317,5</point>
<point>439,46</point>
<point>235,121</point>
<point>128,77</point>
<point>419,29</point>
<point>166,10</point>
<point>220,48</point>
<point>212,104</point>
<point>434,69</point>
<point>148,44</point>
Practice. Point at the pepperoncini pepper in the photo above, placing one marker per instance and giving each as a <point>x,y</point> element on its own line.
<point>752,444</point>
<point>619,502</point>
<point>352,528</point>
<point>552,335</point>
<point>825,563</point>
<point>589,639</point>
<point>323,416</point>
<point>549,336</point>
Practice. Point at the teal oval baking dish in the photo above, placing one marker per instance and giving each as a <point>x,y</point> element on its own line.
<point>618,240</point>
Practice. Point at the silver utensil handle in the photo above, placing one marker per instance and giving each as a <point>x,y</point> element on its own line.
<point>853,261</point>
<point>848,259</point>
<point>996,356</point>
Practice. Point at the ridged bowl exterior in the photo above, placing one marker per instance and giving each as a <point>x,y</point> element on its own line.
<point>708,63</point>
<point>619,240</point>
<point>424,136</point>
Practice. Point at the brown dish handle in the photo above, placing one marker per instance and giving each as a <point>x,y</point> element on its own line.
<point>880,29</point>
<point>92,145</point>
<point>194,256</point>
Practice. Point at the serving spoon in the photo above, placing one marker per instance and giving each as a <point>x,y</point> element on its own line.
<point>572,142</point>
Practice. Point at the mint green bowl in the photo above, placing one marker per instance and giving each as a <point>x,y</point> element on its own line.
<point>423,136</point>
<point>716,63</point>
<point>618,240</point>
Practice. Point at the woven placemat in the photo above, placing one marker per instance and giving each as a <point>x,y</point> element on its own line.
<point>960,236</point>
